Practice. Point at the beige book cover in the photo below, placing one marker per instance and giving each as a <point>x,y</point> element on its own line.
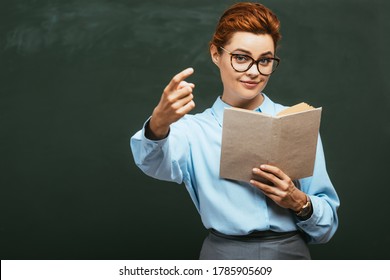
<point>288,141</point>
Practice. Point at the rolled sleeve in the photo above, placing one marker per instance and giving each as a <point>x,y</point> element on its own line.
<point>154,157</point>
<point>323,223</point>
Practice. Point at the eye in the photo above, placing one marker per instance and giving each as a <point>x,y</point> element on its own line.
<point>265,60</point>
<point>241,58</point>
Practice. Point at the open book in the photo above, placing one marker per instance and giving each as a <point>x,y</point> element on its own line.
<point>288,141</point>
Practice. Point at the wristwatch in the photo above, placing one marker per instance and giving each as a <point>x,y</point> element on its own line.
<point>306,209</point>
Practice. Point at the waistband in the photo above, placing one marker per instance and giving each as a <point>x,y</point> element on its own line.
<point>256,235</point>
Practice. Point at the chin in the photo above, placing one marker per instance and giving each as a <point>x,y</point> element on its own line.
<point>249,95</point>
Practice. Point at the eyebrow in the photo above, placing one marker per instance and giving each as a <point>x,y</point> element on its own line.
<point>248,52</point>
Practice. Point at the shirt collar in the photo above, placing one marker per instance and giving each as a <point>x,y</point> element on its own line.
<point>219,106</point>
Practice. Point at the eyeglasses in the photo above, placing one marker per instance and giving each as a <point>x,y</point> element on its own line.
<point>242,63</point>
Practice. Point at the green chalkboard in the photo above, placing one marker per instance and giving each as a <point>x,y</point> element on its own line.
<point>79,77</point>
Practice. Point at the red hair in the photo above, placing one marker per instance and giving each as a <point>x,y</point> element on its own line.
<point>246,17</point>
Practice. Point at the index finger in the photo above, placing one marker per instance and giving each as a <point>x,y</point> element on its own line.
<point>277,172</point>
<point>174,83</point>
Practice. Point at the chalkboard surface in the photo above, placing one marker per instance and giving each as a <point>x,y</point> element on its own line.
<point>78,78</point>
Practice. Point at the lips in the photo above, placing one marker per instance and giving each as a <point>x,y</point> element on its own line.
<point>249,84</point>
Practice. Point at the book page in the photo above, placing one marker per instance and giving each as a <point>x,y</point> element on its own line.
<point>301,107</point>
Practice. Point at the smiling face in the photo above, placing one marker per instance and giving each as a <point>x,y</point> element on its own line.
<point>243,89</point>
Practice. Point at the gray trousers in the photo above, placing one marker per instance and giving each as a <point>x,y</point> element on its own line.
<point>290,247</point>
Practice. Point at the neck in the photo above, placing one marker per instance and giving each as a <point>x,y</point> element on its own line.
<point>249,104</point>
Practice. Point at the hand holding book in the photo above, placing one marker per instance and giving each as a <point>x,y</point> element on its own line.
<point>279,187</point>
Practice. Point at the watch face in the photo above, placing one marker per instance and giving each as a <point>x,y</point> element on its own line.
<point>305,210</point>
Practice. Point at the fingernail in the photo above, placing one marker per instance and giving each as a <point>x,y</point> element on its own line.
<point>255,170</point>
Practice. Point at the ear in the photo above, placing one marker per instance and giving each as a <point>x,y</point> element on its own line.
<point>215,56</point>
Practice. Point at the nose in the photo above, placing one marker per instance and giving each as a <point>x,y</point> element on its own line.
<point>253,70</point>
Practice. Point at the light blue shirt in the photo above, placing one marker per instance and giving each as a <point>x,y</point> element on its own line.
<point>191,154</point>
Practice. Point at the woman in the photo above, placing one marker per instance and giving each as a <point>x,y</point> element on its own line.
<point>246,220</point>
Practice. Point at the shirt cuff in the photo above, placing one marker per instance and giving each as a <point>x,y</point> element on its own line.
<point>311,223</point>
<point>151,141</point>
